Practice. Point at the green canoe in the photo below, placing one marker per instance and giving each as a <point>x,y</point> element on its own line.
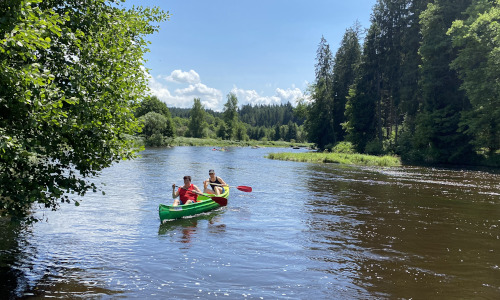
<point>169,212</point>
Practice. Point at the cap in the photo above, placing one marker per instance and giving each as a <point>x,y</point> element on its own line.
<point>211,171</point>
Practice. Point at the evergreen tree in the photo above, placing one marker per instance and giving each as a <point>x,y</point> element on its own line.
<point>292,131</point>
<point>411,59</point>
<point>197,119</point>
<point>363,97</point>
<point>392,18</point>
<point>347,60</point>
<point>320,123</point>
<point>268,115</point>
<point>230,116</point>
<point>277,133</point>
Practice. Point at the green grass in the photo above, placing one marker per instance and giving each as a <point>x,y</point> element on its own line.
<point>340,158</point>
<point>184,141</point>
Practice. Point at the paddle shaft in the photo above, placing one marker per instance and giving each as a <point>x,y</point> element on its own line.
<point>243,188</point>
<point>192,191</point>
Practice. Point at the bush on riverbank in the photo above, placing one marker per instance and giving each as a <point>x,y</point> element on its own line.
<point>341,158</point>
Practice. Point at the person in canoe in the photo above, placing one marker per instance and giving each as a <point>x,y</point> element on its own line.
<point>215,182</point>
<point>188,192</point>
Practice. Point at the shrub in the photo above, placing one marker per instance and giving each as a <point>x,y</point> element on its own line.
<point>344,147</point>
<point>374,147</point>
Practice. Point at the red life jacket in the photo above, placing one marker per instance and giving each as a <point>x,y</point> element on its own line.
<point>185,195</point>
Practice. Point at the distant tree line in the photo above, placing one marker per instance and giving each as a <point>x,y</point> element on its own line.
<point>424,84</point>
<point>263,122</point>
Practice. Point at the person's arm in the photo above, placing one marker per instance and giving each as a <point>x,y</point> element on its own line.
<point>197,189</point>
<point>222,182</point>
<point>175,193</point>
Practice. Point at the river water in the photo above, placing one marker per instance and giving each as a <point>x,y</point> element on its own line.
<point>307,231</point>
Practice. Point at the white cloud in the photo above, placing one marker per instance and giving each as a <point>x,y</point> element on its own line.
<point>289,95</point>
<point>211,98</point>
<point>253,98</point>
<point>281,96</point>
<point>179,76</point>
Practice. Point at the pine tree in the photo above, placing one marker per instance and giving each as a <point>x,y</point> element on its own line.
<point>197,119</point>
<point>345,67</point>
<point>361,108</point>
<point>230,116</point>
<point>320,122</point>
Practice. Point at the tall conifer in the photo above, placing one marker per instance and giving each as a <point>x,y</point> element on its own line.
<point>320,122</point>
<point>347,60</point>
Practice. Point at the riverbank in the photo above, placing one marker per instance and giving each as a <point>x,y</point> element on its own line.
<point>316,157</point>
<point>185,141</point>
<point>340,158</point>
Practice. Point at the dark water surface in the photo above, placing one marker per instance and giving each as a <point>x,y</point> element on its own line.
<point>307,231</point>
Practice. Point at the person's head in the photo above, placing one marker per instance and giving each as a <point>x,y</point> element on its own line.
<point>187,178</point>
<point>211,172</point>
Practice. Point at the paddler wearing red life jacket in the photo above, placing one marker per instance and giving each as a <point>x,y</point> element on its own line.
<point>188,192</point>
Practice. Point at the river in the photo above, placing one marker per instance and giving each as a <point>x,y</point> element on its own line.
<point>307,231</point>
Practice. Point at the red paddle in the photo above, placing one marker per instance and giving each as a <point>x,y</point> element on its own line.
<point>243,188</point>
<point>219,200</point>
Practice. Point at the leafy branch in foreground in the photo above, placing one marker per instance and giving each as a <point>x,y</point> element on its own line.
<point>72,75</point>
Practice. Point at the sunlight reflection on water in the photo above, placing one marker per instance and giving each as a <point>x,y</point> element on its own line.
<point>307,231</point>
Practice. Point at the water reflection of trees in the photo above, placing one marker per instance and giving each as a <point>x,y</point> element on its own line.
<point>17,269</point>
<point>404,237</point>
<point>13,281</point>
<point>66,282</point>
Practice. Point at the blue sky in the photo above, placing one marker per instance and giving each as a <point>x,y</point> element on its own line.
<point>263,51</point>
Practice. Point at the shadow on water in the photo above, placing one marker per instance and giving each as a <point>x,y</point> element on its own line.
<point>12,279</point>
<point>68,288</point>
<point>60,279</point>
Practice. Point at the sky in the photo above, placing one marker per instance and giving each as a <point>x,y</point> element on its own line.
<point>263,51</point>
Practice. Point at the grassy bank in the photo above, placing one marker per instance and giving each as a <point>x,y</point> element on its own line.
<point>184,141</point>
<point>341,158</point>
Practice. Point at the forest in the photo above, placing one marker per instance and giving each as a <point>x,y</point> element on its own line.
<point>260,123</point>
<point>421,82</point>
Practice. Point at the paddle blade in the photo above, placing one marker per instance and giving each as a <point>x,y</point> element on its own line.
<point>221,201</point>
<point>243,188</point>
